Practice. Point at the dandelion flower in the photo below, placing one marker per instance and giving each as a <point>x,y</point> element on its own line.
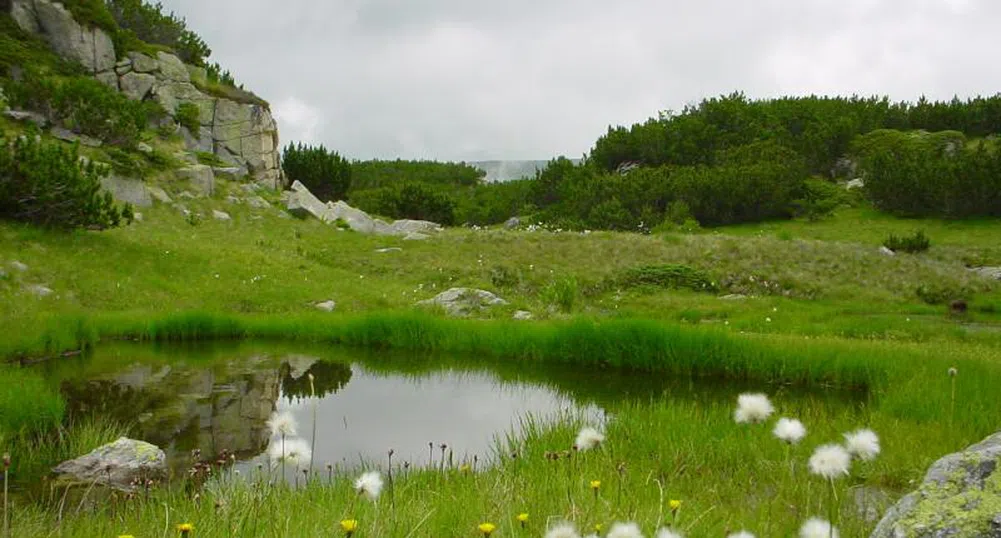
<point>562,530</point>
<point>282,424</point>
<point>830,461</point>
<point>595,484</point>
<point>817,528</point>
<point>588,438</point>
<point>863,444</point>
<point>487,528</point>
<point>185,528</point>
<point>741,534</point>
<point>789,430</point>
<point>669,533</point>
<point>625,530</point>
<point>674,505</point>
<point>349,526</point>
<point>369,484</point>
<point>752,408</point>
<point>292,451</point>
<point>523,519</point>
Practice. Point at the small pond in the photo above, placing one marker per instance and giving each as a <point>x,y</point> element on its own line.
<point>216,397</point>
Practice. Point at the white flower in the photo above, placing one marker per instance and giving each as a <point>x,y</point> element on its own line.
<point>369,484</point>
<point>562,530</point>
<point>863,444</point>
<point>741,534</point>
<point>668,533</point>
<point>625,530</point>
<point>789,430</point>
<point>282,424</point>
<point>292,451</point>
<point>830,461</point>
<point>588,438</point>
<point>817,528</point>
<point>752,408</point>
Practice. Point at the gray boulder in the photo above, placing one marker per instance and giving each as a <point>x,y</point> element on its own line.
<point>18,266</point>
<point>39,290</point>
<point>326,306</point>
<point>117,465</point>
<point>127,190</point>
<point>136,86</point>
<point>257,202</point>
<point>301,203</point>
<point>512,223</point>
<point>960,497</point>
<point>160,195</point>
<point>200,176</point>
<point>415,236</point>
<point>142,63</point>
<point>522,315</point>
<point>886,252</point>
<point>356,219</point>
<point>69,136</point>
<point>993,273</point>
<point>856,183</point>
<point>405,227</point>
<point>220,215</point>
<point>86,45</point>
<point>24,115</point>
<point>464,301</point>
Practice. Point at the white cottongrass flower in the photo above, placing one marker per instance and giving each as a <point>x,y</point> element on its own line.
<point>669,533</point>
<point>817,528</point>
<point>562,530</point>
<point>830,461</point>
<point>863,444</point>
<point>282,424</point>
<point>789,430</point>
<point>292,451</point>
<point>752,408</point>
<point>369,484</point>
<point>588,438</point>
<point>741,534</point>
<point>625,530</point>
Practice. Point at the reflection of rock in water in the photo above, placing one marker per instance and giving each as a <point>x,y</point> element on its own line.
<point>328,377</point>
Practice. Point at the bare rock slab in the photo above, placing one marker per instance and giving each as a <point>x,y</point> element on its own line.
<point>464,301</point>
<point>117,465</point>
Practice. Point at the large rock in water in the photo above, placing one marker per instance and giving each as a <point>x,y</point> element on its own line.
<point>464,301</point>
<point>959,498</point>
<point>118,465</point>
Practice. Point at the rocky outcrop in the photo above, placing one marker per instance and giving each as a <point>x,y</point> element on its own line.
<point>959,498</point>
<point>120,465</point>
<point>302,203</point>
<point>243,134</point>
<point>464,301</point>
<point>127,190</point>
<point>992,273</point>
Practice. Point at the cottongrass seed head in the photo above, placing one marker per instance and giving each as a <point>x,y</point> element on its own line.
<point>830,461</point>
<point>282,424</point>
<point>369,484</point>
<point>741,534</point>
<point>752,408</point>
<point>669,533</point>
<point>862,444</point>
<point>588,438</point>
<point>625,530</point>
<point>293,451</point>
<point>562,529</point>
<point>817,528</point>
<point>789,430</point>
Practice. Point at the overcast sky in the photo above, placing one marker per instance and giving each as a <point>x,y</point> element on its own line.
<point>531,79</point>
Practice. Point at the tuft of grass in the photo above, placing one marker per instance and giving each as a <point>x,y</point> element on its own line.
<point>28,403</point>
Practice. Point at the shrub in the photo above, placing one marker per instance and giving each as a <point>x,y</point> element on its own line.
<point>189,116</point>
<point>46,184</point>
<point>668,276</point>
<point>562,293</point>
<point>150,24</point>
<point>324,173</point>
<point>820,199</point>
<point>938,294</point>
<point>418,201</point>
<point>912,244</point>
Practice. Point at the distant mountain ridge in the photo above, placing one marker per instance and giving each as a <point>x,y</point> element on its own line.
<point>503,170</point>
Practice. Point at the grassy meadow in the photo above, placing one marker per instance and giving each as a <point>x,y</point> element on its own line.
<point>819,308</point>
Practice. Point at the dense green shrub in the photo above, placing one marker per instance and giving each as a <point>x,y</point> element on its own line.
<point>667,276</point>
<point>188,115</point>
<point>84,105</point>
<point>419,201</point>
<point>820,199</point>
<point>375,174</point>
<point>92,13</point>
<point>918,242</point>
<point>46,184</point>
<point>324,173</point>
<point>930,174</point>
<point>493,203</point>
<point>149,23</point>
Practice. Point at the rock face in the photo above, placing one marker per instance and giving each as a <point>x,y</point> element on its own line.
<point>464,301</point>
<point>959,498</point>
<point>128,191</point>
<point>243,134</point>
<point>115,465</point>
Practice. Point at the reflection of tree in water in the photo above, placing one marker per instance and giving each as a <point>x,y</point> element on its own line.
<point>328,378</point>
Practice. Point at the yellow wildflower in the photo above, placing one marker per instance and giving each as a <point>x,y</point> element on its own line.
<point>595,484</point>
<point>674,504</point>
<point>523,517</point>
<point>349,525</point>
<point>597,528</point>
<point>185,528</point>
<point>487,528</point>
<point>464,468</point>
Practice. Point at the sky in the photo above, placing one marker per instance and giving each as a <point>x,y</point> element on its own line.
<point>533,79</point>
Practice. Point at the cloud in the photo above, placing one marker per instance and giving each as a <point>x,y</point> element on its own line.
<point>466,80</point>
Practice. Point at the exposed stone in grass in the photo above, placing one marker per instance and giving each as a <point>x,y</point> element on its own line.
<point>522,315</point>
<point>18,266</point>
<point>220,215</point>
<point>126,190</point>
<point>388,249</point>
<point>464,301</point>
<point>326,306</point>
<point>39,290</point>
<point>416,236</point>
<point>993,273</point>
<point>118,465</point>
<point>886,252</point>
<point>960,497</point>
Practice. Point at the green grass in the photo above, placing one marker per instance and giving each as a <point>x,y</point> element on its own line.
<point>28,403</point>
